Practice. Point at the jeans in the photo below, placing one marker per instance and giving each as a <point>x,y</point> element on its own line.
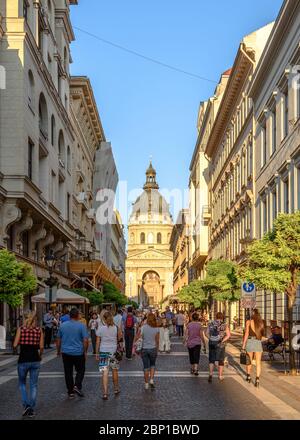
<point>48,336</point>
<point>149,358</point>
<point>79,363</point>
<point>180,330</point>
<point>129,337</point>
<point>33,368</point>
<point>93,338</point>
<point>195,354</point>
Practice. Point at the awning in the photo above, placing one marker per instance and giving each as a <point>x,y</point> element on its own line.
<point>63,297</point>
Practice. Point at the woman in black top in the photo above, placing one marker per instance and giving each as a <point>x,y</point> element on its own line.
<point>31,341</point>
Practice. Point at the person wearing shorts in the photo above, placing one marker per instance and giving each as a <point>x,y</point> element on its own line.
<point>149,333</point>
<point>108,337</point>
<point>218,333</point>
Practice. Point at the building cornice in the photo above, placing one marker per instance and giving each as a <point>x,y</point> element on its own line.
<point>274,44</point>
<point>239,72</point>
<point>81,88</point>
<point>1,28</point>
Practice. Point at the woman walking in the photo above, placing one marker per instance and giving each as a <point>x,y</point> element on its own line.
<point>31,341</point>
<point>218,333</point>
<point>194,337</point>
<point>149,333</point>
<point>93,325</point>
<point>108,338</point>
<point>164,335</point>
<point>252,344</point>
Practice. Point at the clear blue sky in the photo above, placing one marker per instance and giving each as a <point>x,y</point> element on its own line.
<point>147,109</point>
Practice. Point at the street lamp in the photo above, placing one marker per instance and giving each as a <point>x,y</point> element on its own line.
<point>50,261</point>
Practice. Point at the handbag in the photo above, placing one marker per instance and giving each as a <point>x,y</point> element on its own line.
<point>138,346</point>
<point>245,358</point>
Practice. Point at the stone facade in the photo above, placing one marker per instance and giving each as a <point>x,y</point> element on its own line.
<point>275,92</point>
<point>180,246</point>
<point>199,208</point>
<point>149,263</point>
<point>118,247</point>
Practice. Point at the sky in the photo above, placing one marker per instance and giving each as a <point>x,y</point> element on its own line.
<point>147,109</point>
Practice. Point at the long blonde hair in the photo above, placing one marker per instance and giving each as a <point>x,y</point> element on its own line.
<point>29,319</point>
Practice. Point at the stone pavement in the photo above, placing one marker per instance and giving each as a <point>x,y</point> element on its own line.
<point>178,394</point>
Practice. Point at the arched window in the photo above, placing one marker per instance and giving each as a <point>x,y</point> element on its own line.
<point>143,238</point>
<point>68,159</point>
<point>31,89</point>
<point>159,238</point>
<point>61,148</point>
<point>43,117</point>
<point>65,59</point>
<point>52,130</point>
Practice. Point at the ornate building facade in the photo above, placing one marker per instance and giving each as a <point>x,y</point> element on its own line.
<point>275,91</point>
<point>180,246</point>
<point>149,263</point>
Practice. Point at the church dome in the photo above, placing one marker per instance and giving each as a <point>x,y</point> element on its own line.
<point>151,206</point>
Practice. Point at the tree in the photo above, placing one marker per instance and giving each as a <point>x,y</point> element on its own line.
<point>193,294</point>
<point>16,281</point>
<point>95,298</point>
<point>273,264</point>
<point>222,282</point>
<point>112,294</point>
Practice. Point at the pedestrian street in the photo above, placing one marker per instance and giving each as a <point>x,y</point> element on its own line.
<point>178,394</point>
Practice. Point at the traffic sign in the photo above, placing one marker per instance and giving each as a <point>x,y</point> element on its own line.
<point>248,303</point>
<point>248,290</point>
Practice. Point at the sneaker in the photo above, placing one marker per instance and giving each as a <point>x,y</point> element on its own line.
<point>71,395</point>
<point>146,386</point>
<point>152,386</point>
<point>78,392</point>
<point>26,411</point>
<point>31,413</point>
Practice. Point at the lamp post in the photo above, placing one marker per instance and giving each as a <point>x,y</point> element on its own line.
<point>50,261</point>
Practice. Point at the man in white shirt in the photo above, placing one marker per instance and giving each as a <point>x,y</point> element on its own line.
<point>180,323</point>
<point>118,319</point>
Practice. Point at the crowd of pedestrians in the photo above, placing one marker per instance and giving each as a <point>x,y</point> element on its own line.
<point>129,332</point>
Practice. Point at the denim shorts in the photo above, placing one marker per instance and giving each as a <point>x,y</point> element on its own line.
<point>216,353</point>
<point>149,358</point>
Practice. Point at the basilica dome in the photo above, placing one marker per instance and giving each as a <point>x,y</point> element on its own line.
<point>150,206</point>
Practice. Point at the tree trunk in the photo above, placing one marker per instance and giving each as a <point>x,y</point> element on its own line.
<point>292,357</point>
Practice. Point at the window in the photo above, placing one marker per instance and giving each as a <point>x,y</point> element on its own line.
<point>61,148</point>
<point>68,206</point>
<point>52,130</point>
<point>159,238</point>
<point>285,110</point>
<point>43,117</point>
<point>30,158</point>
<point>143,238</point>
<point>68,159</point>
<point>263,145</point>
<point>30,89</point>
<point>25,243</point>
<point>286,199</point>
<point>274,132</point>
<point>264,219</point>
<point>274,204</point>
<point>25,9</point>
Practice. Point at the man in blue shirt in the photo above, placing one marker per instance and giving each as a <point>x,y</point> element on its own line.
<point>73,343</point>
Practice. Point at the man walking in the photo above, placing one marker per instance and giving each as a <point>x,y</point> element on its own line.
<point>73,342</point>
<point>179,323</point>
<point>49,322</point>
<point>129,322</point>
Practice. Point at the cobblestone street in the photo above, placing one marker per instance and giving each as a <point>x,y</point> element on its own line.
<point>178,395</point>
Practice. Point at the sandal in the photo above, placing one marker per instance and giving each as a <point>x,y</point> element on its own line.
<point>117,391</point>
<point>105,397</point>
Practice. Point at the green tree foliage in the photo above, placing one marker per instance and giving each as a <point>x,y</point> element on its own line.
<point>113,295</point>
<point>222,281</point>
<point>193,294</point>
<point>274,261</point>
<point>16,279</point>
<point>95,298</point>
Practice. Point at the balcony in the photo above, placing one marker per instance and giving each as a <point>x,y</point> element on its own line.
<point>206,214</point>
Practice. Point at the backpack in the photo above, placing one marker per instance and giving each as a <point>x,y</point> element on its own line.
<point>214,332</point>
<point>129,322</point>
